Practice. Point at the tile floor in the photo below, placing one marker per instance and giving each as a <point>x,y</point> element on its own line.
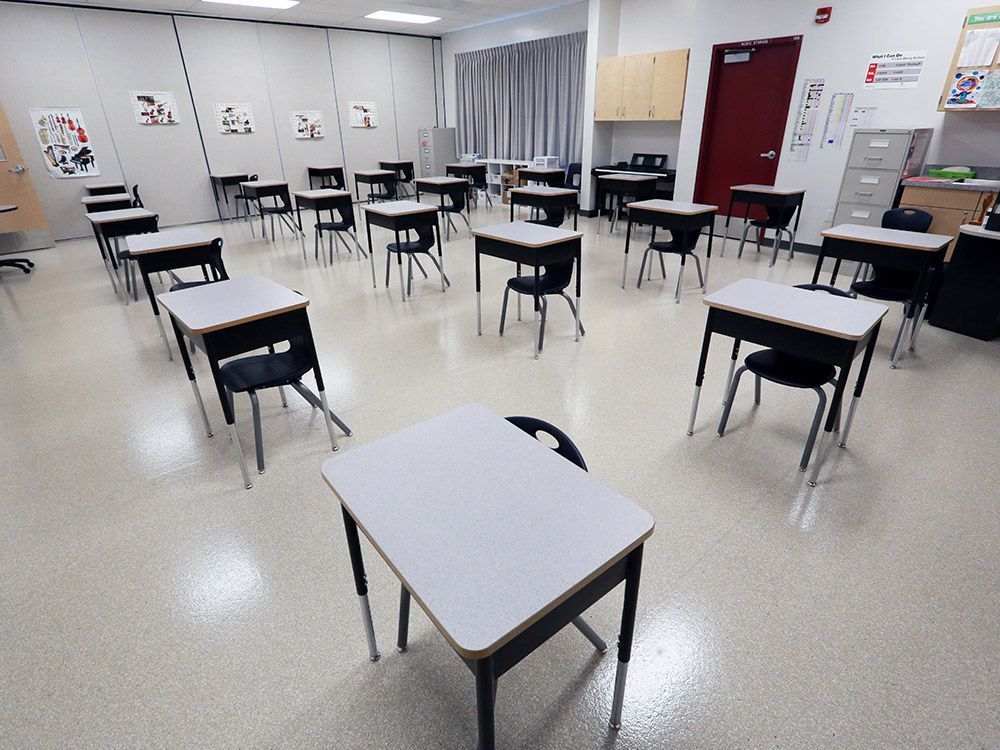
<point>148,600</point>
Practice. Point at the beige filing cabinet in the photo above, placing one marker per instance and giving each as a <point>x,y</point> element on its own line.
<point>950,207</point>
<point>876,163</point>
<point>635,88</point>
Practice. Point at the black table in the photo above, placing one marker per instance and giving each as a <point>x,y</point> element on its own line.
<point>106,188</point>
<point>223,182</point>
<point>544,197</point>
<point>672,215</point>
<point>640,187</point>
<point>553,177</point>
<point>767,196</point>
<point>374,177</point>
<point>402,216</point>
<point>969,299</point>
<point>109,226</point>
<point>327,199</point>
<point>336,171</point>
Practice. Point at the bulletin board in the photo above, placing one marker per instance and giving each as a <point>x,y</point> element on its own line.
<point>973,82</point>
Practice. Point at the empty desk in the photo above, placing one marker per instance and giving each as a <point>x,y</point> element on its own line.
<point>110,225</point>
<point>257,190</point>
<point>640,187</point>
<point>223,181</point>
<point>545,197</point>
<point>403,169</point>
<point>327,199</point>
<point>375,177</point>
<point>969,299</point>
<point>402,216</point>
<point>550,176</point>
<point>532,245</point>
<point>770,197</point>
<point>93,204</point>
<point>675,216</point>
<point>321,173</point>
<point>235,317</point>
<point>474,173</point>
<point>105,188</point>
<point>819,327</point>
<point>501,541</point>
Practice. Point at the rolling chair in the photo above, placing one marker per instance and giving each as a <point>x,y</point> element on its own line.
<point>778,219</point>
<point>792,371</point>
<point>457,194</point>
<point>682,244</point>
<point>423,244</point>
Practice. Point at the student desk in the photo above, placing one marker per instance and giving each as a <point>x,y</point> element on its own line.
<point>550,176</point>
<point>820,327</point>
<point>105,188</point>
<point>767,196</point>
<point>474,174</point>
<point>398,168</point>
<point>638,186</point>
<point>545,197</point>
<point>168,250</point>
<point>497,568</point>
<point>373,177</point>
<point>534,245</point>
<point>222,182</point>
<point>401,216</point>
<point>678,216</point>
<point>969,300</point>
<point>893,248</point>
<point>325,199</point>
<point>93,204</point>
<point>336,171</point>
<point>234,317</point>
<point>257,190</point>
<point>440,186</point>
<point>110,225</point>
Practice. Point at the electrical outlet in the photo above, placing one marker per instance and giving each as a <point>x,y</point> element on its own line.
<point>829,216</point>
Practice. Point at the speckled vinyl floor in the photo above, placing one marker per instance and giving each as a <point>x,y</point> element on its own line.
<point>148,600</point>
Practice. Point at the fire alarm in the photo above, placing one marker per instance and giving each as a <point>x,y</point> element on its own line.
<point>823,14</point>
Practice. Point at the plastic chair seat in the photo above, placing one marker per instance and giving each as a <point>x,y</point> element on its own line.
<point>769,223</point>
<point>547,284</point>
<point>333,226</point>
<point>874,290</point>
<point>788,369</point>
<point>670,246</point>
<point>416,246</point>
<point>265,370</point>
<point>275,209</point>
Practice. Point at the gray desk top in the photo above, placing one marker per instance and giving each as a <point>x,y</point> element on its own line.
<point>124,214</point>
<point>525,234</point>
<point>263,183</point>
<point>823,313</point>
<point>224,304</point>
<point>674,207</point>
<point>442,181</point>
<point>543,190</point>
<point>488,528</point>
<point>104,185</point>
<point>399,208</point>
<point>373,173</point>
<point>890,237</point>
<point>768,189</point>
<point>169,239</point>
<point>228,175</point>
<point>541,170</point>
<point>395,161</point>
<point>326,166</point>
<point>322,193</point>
<point>89,200</point>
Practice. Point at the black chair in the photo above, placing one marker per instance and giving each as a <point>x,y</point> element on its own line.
<point>554,279</point>
<point>128,267</point>
<point>681,243</point>
<point>241,198</point>
<point>334,227</point>
<point>422,245</point>
<point>568,450</point>
<point>478,182</point>
<point>281,208</point>
<point>777,219</point>
<point>457,194</point>
<point>213,262</point>
<point>896,284</point>
<point>574,175</point>
<point>404,175</point>
<point>554,217</point>
<point>136,200</point>
<point>388,191</point>
<point>22,264</point>
<point>789,370</point>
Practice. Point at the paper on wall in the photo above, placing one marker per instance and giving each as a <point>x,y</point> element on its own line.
<point>862,117</point>
<point>836,120</point>
<point>895,70</point>
<point>234,118</point>
<point>363,114</point>
<point>307,124</point>
<point>964,90</point>
<point>805,118</point>
<point>989,94</point>
<point>979,48</point>
<point>154,107</point>
<point>64,141</point>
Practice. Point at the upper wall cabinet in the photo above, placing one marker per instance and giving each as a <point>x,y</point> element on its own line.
<point>641,87</point>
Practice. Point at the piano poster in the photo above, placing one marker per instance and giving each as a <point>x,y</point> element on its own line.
<point>154,107</point>
<point>65,142</point>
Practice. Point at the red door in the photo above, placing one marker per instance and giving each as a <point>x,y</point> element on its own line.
<point>746,108</point>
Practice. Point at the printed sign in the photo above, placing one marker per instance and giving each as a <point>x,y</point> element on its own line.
<point>64,141</point>
<point>805,119</point>
<point>234,118</point>
<point>154,107</point>
<point>895,70</point>
<point>363,114</point>
<point>836,120</point>
<point>307,124</point>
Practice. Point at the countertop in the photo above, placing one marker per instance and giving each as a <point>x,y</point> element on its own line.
<point>983,186</point>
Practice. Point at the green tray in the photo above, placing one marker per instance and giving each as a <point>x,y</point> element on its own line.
<point>945,174</point>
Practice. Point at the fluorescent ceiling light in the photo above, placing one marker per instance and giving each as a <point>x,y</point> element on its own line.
<point>279,4</point>
<point>391,15</point>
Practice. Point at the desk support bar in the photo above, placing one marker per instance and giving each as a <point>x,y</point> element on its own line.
<point>360,581</point>
<point>632,572</point>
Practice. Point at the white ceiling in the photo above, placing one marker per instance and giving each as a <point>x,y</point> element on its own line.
<point>455,14</point>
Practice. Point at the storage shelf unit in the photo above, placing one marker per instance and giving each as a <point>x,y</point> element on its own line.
<point>496,167</point>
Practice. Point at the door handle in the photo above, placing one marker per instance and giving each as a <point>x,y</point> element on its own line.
<point>17,170</point>
<point>769,154</point>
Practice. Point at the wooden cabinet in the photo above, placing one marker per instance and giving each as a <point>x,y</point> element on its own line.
<point>950,208</point>
<point>639,88</point>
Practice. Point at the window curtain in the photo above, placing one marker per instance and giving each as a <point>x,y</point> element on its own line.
<point>523,100</point>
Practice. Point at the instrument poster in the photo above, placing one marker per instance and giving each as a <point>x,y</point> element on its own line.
<point>64,141</point>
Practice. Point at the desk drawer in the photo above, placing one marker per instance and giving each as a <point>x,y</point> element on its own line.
<point>875,186</point>
<point>859,213</point>
<point>879,150</point>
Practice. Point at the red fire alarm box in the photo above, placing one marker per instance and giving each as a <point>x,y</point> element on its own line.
<point>823,14</point>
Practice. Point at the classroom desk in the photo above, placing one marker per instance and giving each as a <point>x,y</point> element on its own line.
<point>336,171</point>
<point>530,244</point>
<point>678,216</point>
<point>893,248</point>
<point>820,327</point>
<point>237,316</point>
<point>105,188</point>
<point>969,300</point>
<point>551,176</point>
<point>326,199</point>
<point>93,204</point>
<point>401,216</point>
<point>497,567</point>
<point>373,177</point>
<point>641,187</point>
<point>171,249</point>
<point>110,225</point>
<point>223,181</point>
<point>440,186</point>
<point>257,190</point>
<point>767,196</point>
<point>544,197</point>
<point>398,168</point>
<point>473,173</point>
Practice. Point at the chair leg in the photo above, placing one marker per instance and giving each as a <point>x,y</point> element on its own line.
<point>758,237</point>
<point>257,432</point>
<point>503,309</point>
<point>361,250</point>
<point>541,327</point>
<point>663,267</point>
<point>895,356</point>
<point>777,246</point>
<point>420,266</point>
<point>791,243</point>
<point>590,634</point>
<point>642,268</point>
<point>316,234</point>
<point>729,400</point>
<point>572,309</point>
<point>409,274</point>
<point>680,280</point>
<point>916,326</point>
<point>756,390</point>
<point>743,240</point>
<point>388,256</point>
<point>697,265</point>
<point>402,286</point>
<point>440,268</point>
<point>814,429</point>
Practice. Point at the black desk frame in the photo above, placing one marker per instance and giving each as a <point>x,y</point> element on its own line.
<point>670,221</point>
<point>389,180</point>
<point>223,183</point>
<point>537,200</point>
<point>337,173</point>
<point>329,203</point>
<point>404,223</point>
<point>767,200</point>
<point>112,231</point>
<point>622,187</point>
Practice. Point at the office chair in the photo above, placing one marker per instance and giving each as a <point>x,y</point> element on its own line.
<point>334,227</point>
<point>777,219</point>
<point>682,244</point>
<point>423,244</point>
<point>457,194</point>
<point>553,281</point>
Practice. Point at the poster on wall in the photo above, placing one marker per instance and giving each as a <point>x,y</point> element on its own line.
<point>154,107</point>
<point>989,95</point>
<point>234,118</point>
<point>895,70</point>
<point>64,141</point>
<point>965,89</point>
<point>307,124</point>
<point>979,48</point>
<point>862,117</point>
<point>363,114</point>
<point>805,118</point>
<point>836,120</point>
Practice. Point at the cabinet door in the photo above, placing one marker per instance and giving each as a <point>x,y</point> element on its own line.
<point>608,95</point>
<point>669,80</point>
<point>638,89</point>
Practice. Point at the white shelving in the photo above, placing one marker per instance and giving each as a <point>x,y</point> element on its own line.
<point>496,167</point>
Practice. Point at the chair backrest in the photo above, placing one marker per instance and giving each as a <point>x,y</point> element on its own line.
<point>780,216</point>
<point>136,200</point>
<point>478,177</point>
<point>910,219</point>
<point>215,261</point>
<point>556,179</point>
<point>406,172</point>
<point>253,178</point>
<point>574,175</point>
<point>457,193</point>
<point>824,288</point>
<point>685,239</point>
<point>564,446</point>
<point>347,213</point>
<point>425,239</point>
<point>554,217</point>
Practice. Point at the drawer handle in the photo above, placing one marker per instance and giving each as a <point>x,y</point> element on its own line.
<point>859,192</point>
<point>875,158</point>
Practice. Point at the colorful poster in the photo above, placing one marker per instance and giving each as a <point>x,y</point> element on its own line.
<point>965,88</point>
<point>307,124</point>
<point>363,114</point>
<point>234,118</point>
<point>154,107</point>
<point>895,70</point>
<point>836,120</point>
<point>989,94</point>
<point>979,48</point>
<point>805,118</point>
<point>64,141</point>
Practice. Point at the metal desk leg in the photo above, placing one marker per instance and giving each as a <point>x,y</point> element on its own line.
<point>371,252</point>
<point>732,369</point>
<point>538,318</point>
<point>632,572</point>
<point>725,231</point>
<point>360,581</point>
<point>860,385</point>
<point>628,242</point>
<point>404,619</point>
<point>832,417</point>
<point>708,255</point>
<point>227,409</point>
<point>576,312</point>
<point>486,692</point>
<point>700,377</point>
<point>479,298</point>
<point>156,312</point>
<point>190,373</point>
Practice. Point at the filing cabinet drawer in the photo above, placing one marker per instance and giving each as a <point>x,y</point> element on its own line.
<point>875,186</point>
<point>879,150</point>
<point>859,213</point>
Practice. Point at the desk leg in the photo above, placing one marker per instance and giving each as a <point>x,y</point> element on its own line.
<point>628,242</point>
<point>360,581</point>
<point>404,619</point>
<point>859,386</point>
<point>700,377</point>
<point>512,210</point>
<point>632,571</point>
<point>732,368</point>
<point>227,410</point>
<point>156,311</point>
<point>836,271</point>
<point>371,252</point>
<point>225,195</point>
<point>832,417</point>
<point>600,206</point>
<point>819,265</point>
<point>215,194</point>
<point>479,298</point>
<point>399,264</point>
<point>486,693</point>
<point>538,317</point>
<point>708,255</point>
<point>579,273</point>
<point>725,230</point>
<point>104,258</point>
<point>190,373</point>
